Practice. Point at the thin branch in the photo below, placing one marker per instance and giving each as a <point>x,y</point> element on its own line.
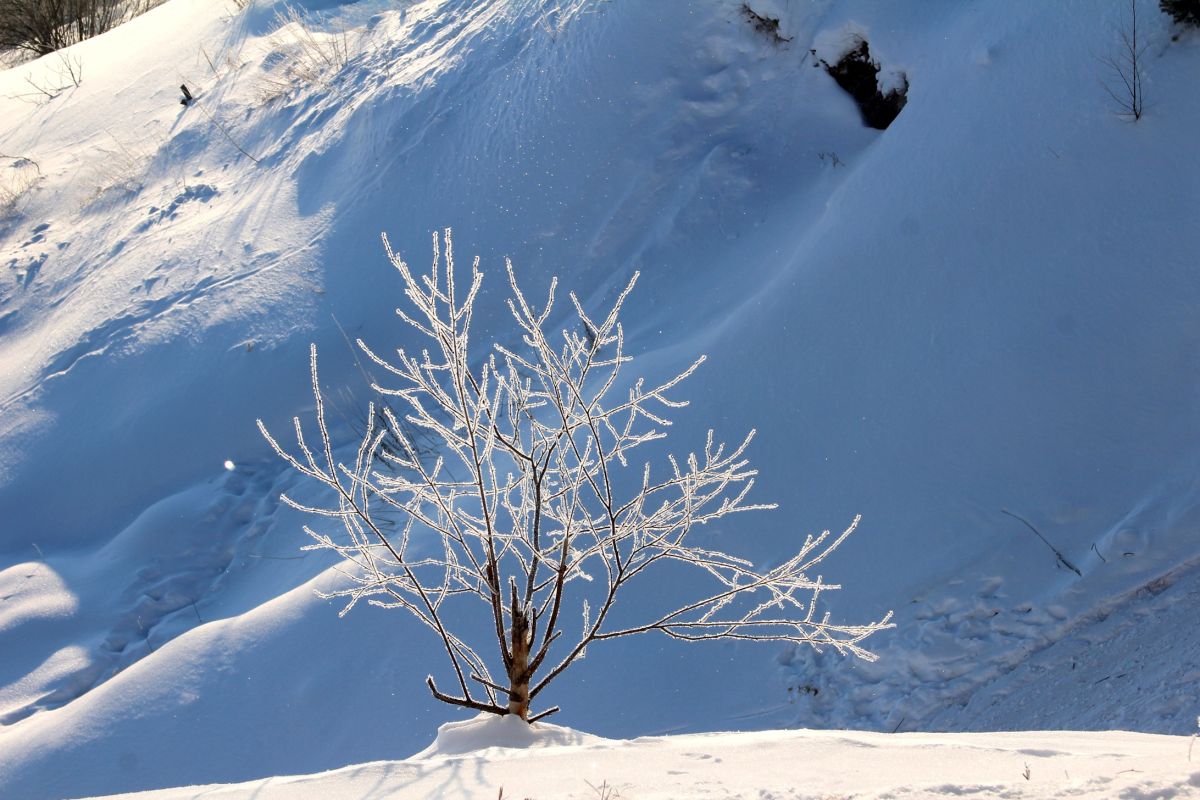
<point>555,709</point>
<point>465,702</point>
<point>224,131</point>
<point>1057,553</point>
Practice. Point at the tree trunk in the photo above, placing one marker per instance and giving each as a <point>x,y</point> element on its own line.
<point>518,673</point>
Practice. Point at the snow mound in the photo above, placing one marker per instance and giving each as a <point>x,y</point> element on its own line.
<point>488,731</point>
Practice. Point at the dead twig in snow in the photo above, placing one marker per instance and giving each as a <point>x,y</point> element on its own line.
<point>1057,553</point>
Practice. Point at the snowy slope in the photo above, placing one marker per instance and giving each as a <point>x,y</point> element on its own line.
<point>988,306</point>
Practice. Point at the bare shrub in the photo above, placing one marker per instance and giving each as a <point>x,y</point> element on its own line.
<point>117,173</point>
<point>302,56</point>
<point>18,175</point>
<point>1124,84</point>
<point>65,72</point>
<point>43,26</point>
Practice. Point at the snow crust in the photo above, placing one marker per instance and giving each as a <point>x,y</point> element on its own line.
<point>771,764</point>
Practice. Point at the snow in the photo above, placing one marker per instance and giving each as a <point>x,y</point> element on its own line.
<point>488,731</point>
<point>989,306</point>
<point>510,760</point>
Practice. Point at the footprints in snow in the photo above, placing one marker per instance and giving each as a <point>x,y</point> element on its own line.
<point>169,595</point>
<point>956,642</point>
<point>201,192</point>
<point>169,592</point>
<point>126,327</point>
<point>30,256</point>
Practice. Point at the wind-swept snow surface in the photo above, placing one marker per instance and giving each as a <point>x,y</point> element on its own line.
<point>977,328</point>
<point>505,759</point>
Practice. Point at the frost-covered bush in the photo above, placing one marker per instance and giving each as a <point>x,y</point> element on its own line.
<point>532,520</point>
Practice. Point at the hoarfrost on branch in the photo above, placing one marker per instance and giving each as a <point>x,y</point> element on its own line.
<point>536,516</point>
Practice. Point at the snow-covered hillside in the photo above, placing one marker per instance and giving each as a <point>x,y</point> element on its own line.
<point>988,307</point>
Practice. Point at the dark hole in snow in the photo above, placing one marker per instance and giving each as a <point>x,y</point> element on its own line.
<point>858,74</point>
